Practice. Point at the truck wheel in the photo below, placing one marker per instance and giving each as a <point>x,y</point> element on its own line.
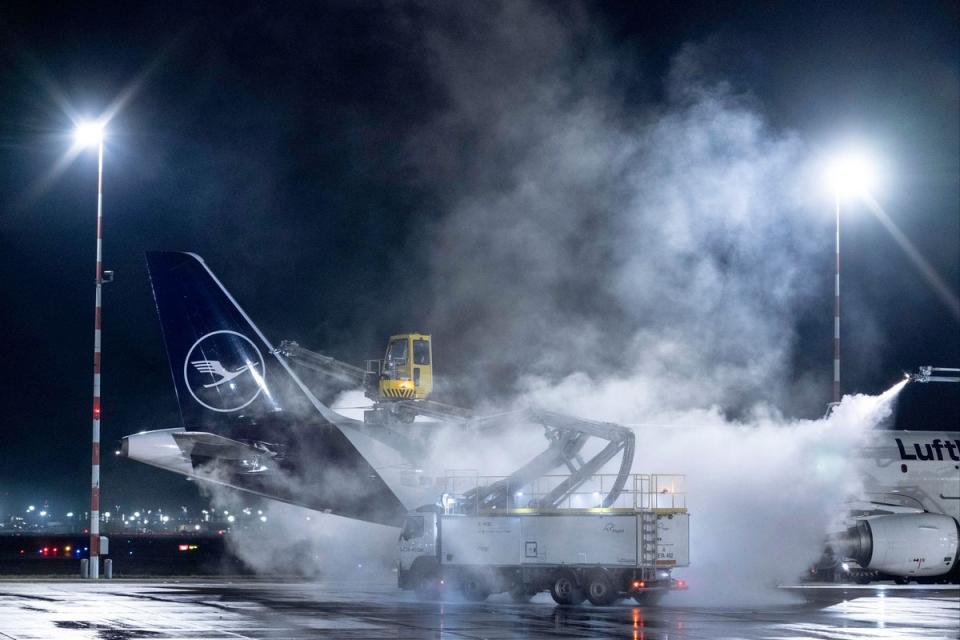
<point>473,589</point>
<point>428,587</point>
<point>600,590</point>
<point>564,589</point>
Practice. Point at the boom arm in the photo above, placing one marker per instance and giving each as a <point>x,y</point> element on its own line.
<point>567,436</point>
<point>338,370</point>
<point>935,374</point>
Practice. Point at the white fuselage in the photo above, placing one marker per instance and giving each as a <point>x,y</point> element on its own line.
<point>915,468</point>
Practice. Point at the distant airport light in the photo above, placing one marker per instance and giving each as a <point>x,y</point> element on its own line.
<point>88,134</point>
<point>851,174</point>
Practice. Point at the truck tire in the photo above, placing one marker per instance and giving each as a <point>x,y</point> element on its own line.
<point>473,588</point>
<point>600,589</point>
<point>424,578</point>
<point>427,587</point>
<point>565,589</point>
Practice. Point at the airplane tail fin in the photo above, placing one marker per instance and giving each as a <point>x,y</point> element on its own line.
<point>230,380</point>
<point>222,364</point>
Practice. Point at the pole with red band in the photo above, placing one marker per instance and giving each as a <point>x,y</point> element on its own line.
<point>95,469</point>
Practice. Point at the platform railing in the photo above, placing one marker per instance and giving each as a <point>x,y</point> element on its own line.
<point>643,492</point>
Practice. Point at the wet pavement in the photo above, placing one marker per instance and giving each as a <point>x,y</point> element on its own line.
<point>127,610</point>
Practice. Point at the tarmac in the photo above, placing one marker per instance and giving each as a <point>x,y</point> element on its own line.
<point>127,610</point>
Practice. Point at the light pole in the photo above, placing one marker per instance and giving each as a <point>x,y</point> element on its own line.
<point>836,310</point>
<point>87,135</point>
<point>848,175</point>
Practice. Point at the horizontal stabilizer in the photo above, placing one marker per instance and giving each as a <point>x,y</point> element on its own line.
<point>210,445</point>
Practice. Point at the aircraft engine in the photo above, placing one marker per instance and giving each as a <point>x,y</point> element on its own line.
<point>908,544</point>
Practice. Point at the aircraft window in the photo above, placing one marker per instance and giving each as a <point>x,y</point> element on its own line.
<point>412,528</point>
<point>397,352</point>
<point>421,352</point>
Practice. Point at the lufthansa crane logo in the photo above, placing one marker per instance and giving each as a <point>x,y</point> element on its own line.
<point>224,371</point>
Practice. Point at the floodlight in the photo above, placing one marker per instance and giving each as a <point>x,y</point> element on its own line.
<point>851,174</point>
<point>89,134</point>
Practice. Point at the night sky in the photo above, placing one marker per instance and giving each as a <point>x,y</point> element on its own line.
<point>315,153</point>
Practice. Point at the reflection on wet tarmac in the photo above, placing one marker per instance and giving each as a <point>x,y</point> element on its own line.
<point>250,609</point>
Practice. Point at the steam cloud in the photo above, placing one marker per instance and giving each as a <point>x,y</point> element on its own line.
<point>590,235</point>
<point>301,542</point>
<point>640,262</point>
<point>645,263</point>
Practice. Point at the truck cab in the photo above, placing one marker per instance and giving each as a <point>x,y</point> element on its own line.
<point>406,372</point>
<point>419,564</point>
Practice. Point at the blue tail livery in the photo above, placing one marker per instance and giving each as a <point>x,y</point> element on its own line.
<point>249,421</point>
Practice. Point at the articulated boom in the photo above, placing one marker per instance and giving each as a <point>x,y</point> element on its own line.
<point>390,423</point>
<point>567,436</point>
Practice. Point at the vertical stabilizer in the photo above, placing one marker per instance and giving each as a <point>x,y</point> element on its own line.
<point>231,381</point>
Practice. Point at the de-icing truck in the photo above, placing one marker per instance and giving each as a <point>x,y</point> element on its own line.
<point>576,550</point>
